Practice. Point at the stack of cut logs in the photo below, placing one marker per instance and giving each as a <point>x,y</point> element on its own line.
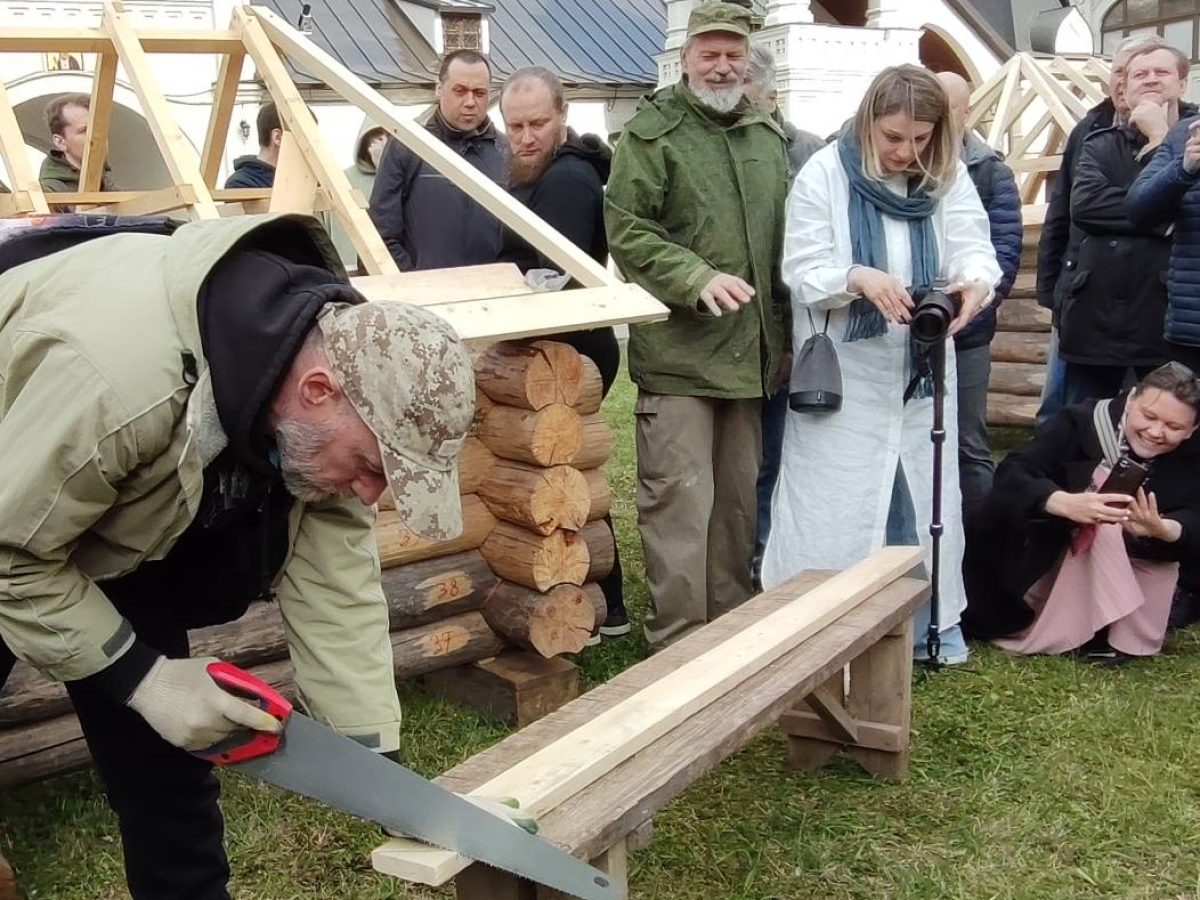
<point>522,572</point>
<point>1021,344</point>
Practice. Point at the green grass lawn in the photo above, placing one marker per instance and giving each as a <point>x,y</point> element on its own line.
<point>1029,779</point>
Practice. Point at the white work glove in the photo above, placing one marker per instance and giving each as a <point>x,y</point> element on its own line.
<point>507,809</point>
<point>183,704</point>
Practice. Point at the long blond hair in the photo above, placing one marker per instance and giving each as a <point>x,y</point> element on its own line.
<point>918,93</point>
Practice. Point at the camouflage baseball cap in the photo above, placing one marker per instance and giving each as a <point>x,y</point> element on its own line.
<point>409,377</point>
<point>727,17</point>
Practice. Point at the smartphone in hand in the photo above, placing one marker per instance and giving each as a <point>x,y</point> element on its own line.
<point>1125,478</point>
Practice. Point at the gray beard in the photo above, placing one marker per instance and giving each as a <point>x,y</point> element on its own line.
<point>719,100</point>
<point>298,445</point>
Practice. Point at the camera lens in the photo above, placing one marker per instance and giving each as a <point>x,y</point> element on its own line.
<point>932,317</point>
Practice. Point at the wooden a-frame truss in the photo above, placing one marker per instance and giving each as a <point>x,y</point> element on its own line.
<point>308,178</point>
<point>1028,107</point>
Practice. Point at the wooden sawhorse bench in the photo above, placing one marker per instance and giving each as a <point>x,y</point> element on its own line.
<point>803,689</point>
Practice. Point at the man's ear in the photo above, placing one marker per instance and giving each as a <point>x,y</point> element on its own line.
<point>276,137</point>
<point>317,388</point>
<point>58,141</point>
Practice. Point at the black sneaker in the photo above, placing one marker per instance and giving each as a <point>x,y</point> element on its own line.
<point>616,625</point>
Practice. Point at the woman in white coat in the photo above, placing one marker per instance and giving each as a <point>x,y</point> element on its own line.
<point>886,208</point>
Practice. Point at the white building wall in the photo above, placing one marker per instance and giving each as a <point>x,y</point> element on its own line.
<point>824,69</point>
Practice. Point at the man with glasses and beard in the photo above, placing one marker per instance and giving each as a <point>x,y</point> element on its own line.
<point>560,176</point>
<point>694,213</point>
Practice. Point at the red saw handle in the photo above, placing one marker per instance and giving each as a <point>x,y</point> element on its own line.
<point>248,744</point>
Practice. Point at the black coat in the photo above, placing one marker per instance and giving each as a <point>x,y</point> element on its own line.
<point>1115,298</point>
<point>427,221</point>
<point>1012,542</point>
<point>569,196</point>
<point>1056,231</point>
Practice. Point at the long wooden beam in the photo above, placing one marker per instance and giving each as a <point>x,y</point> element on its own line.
<point>96,40</point>
<point>531,315</point>
<point>550,775</point>
<point>27,190</point>
<point>224,98</point>
<point>91,173</point>
<point>182,162</point>
<point>299,122</point>
<point>489,195</point>
<point>148,203</point>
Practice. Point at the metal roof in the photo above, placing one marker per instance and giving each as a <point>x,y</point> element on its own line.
<point>611,42</point>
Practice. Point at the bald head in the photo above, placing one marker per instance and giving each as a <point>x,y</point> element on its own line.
<point>958,90</point>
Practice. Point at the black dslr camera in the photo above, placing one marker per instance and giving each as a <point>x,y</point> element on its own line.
<point>935,310</point>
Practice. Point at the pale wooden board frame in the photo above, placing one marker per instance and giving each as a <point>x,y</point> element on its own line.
<point>550,775</point>
<point>492,197</point>
<point>182,163</point>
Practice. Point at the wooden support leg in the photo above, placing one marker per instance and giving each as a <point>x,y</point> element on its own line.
<point>614,861</point>
<point>8,884</point>
<point>806,750</point>
<point>881,693</point>
<point>514,687</point>
<point>482,883</point>
<point>871,724</point>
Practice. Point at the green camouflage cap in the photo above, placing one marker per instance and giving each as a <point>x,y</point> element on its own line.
<point>727,17</point>
<point>409,378</point>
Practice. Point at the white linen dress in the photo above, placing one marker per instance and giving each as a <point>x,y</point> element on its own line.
<point>830,506</point>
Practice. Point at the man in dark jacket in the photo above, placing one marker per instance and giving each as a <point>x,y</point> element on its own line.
<point>997,187</point>
<point>259,171</point>
<point>1163,195</point>
<point>1055,258</point>
<point>560,176</point>
<point>425,220</point>
<point>67,118</point>
<point>1112,307</point>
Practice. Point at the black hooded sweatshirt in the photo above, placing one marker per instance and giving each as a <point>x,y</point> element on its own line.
<point>569,196</point>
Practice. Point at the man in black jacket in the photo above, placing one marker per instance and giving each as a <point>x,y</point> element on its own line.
<point>258,171</point>
<point>560,176</point>
<point>425,220</point>
<point>1054,257</point>
<point>1115,297</point>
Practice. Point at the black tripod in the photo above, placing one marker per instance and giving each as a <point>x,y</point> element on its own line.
<point>932,364</point>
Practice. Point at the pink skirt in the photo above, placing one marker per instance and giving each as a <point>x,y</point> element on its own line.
<point>1096,587</point>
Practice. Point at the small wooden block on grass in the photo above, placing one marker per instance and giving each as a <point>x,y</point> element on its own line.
<point>515,687</point>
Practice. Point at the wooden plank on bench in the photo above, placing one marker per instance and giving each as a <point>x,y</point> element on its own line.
<point>544,778</point>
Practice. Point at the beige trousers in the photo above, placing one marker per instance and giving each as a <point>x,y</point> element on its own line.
<point>697,460</point>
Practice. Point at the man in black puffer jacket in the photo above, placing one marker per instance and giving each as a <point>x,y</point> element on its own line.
<point>1113,305</point>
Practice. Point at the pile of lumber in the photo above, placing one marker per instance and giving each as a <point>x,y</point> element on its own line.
<point>1021,344</point>
<point>522,572</point>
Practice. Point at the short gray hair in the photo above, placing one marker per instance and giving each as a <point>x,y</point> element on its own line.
<point>761,67</point>
<point>1135,44</point>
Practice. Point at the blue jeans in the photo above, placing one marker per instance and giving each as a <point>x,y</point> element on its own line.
<point>975,466</point>
<point>774,414</point>
<point>1054,394</point>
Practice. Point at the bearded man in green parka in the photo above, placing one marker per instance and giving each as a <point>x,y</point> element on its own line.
<point>694,213</point>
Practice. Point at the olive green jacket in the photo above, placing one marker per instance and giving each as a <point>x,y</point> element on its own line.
<point>105,435</point>
<point>693,194</point>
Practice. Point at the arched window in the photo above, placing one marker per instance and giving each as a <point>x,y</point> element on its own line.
<point>1175,21</point>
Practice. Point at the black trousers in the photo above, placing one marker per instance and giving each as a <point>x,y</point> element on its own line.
<point>165,799</point>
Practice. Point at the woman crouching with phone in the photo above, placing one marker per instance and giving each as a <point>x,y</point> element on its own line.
<point>1077,546</point>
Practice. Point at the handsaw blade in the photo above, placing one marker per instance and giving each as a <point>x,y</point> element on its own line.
<point>317,762</point>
